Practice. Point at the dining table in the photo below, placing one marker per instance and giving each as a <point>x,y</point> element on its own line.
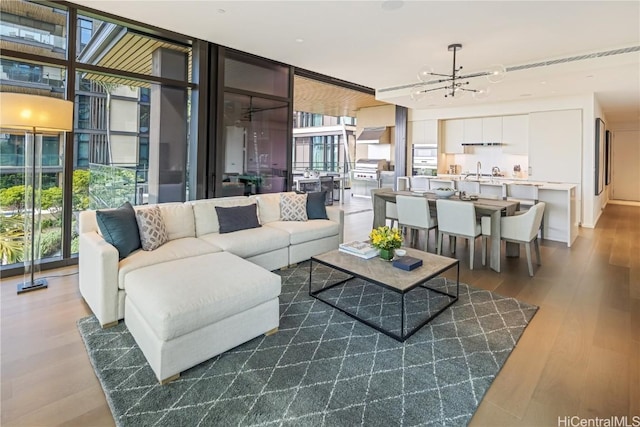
<point>494,208</point>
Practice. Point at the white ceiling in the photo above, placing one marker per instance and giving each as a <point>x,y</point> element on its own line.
<point>366,43</point>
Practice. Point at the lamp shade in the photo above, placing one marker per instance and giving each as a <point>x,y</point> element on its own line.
<point>22,111</point>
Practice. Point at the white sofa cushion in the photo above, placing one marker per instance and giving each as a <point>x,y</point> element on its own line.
<point>182,296</point>
<point>204,212</point>
<point>178,220</point>
<point>268,207</point>
<point>305,231</point>
<point>248,243</point>
<point>177,217</point>
<point>172,250</point>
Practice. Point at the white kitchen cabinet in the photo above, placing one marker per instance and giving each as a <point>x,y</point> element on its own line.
<point>417,132</point>
<point>515,134</point>
<point>555,146</point>
<point>453,136</point>
<point>473,130</point>
<point>492,129</point>
<point>424,132</point>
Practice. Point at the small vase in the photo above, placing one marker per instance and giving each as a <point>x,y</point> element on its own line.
<point>386,254</point>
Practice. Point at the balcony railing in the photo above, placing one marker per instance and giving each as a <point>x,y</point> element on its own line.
<point>112,185</point>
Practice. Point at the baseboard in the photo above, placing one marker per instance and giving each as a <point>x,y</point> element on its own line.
<point>624,202</point>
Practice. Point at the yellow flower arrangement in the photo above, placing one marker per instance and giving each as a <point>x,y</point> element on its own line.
<point>385,238</point>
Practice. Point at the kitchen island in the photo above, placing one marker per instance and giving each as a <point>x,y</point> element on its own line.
<point>560,221</point>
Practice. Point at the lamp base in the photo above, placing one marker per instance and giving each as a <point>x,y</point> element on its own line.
<point>35,285</point>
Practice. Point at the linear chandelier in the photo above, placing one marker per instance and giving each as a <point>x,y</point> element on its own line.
<point>455,84</point>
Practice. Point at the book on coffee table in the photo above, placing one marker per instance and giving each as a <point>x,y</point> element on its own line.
<point>362,249</point>
<point>407,263</point>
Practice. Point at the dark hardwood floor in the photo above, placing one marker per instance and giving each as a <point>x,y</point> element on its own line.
<point>580,356</point>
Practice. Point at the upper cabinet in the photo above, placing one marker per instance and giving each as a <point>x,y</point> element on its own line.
<point>515,134</point>
<point>453,136</point>
<point>492,129</point>
<point>483,130</point>
<point>471,131</point>
<point>424,132</point>
<point>383,115</point>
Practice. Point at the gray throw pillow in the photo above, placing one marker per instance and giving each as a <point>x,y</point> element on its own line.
<point>119,228</point>
<point>237,218</point>
<point>316,208</point>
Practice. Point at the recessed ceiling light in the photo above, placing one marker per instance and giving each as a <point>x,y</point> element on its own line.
<point>525,94</point>
<point>299,40</point>
<point>222,11</point>
<point>392,4</point>
<point>543,82</point>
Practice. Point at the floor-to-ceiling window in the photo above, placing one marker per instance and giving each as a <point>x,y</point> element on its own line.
<point>115,75</point>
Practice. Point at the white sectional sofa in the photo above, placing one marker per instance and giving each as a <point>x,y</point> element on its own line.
<point>202,292</point>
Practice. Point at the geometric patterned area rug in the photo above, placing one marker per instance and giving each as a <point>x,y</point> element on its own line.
<point>322,368</point>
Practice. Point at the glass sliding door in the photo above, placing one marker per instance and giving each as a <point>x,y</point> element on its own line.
<point>254,145</point>
<point>253,154</point>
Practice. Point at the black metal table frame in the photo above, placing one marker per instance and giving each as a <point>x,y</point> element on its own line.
<point>402,337</point>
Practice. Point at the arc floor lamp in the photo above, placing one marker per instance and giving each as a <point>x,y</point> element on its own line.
<point>35,115</point>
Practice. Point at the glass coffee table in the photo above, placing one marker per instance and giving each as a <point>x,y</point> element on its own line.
<point>393,301</point>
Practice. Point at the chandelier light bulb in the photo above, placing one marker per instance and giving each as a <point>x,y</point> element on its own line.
<point>425,74</point>
<point>481,93</point>
<point>417,93</point>
<point>458,92</point>
<point>496,73</point>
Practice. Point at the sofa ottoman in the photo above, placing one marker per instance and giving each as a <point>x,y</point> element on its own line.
<point>186,311</point>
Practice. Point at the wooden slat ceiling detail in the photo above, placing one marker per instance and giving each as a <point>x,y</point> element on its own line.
<point>34,11</point>
<point>30,91</point>
<point>133,53</point>
<point>312,96</point>
<point>23,47</point>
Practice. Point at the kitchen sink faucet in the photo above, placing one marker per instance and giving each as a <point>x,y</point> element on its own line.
<point>479,165</point>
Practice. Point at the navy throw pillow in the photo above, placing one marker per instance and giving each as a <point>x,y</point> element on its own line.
<point>237,218</point>
<point>120,228</point>
<point>315,205</point>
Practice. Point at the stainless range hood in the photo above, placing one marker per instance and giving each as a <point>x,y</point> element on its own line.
<point>377,135</point>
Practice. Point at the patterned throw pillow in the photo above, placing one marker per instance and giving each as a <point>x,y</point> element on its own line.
<point>293,207</point>
<point>153,233</point>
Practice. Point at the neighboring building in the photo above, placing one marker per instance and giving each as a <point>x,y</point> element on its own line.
<point>112,120</point>
<point>323,143</point>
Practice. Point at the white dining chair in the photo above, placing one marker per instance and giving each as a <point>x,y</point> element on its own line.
<point>521,229</point>
<point>457,219</point>
<point>413,213</point>
<point>391,210</point>
<point>527,195</point>
<point>419,183</point>
<point>403,183</point>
